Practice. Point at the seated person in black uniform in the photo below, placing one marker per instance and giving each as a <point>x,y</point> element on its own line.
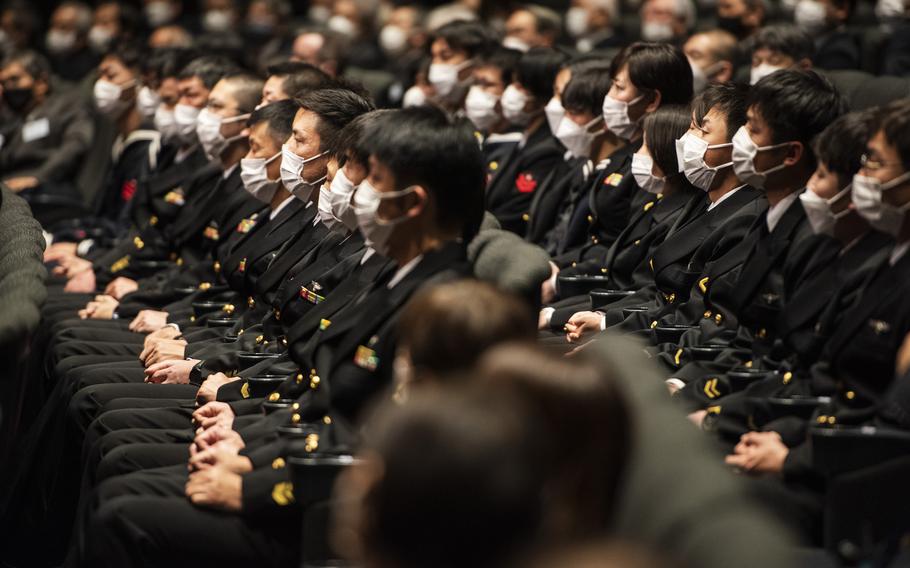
<point>781,46</point>
<point>626,266</point>
<point>134,153</point>
<point>645,76</point>
<point>43,148</point>
<point>483,106</point>
<point>455,49</point>
<point>858,368</point>
<point>512,188</point>
<point>826,22</point>
<point>422,198</point>
<point>838,271</point>
<point>184,159</point>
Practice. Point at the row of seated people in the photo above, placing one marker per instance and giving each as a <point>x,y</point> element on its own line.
<point>270,275</point>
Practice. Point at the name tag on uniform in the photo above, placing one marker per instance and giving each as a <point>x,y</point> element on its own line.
<point>35,130</point>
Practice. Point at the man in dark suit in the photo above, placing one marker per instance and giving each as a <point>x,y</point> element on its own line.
<point>42,151</point>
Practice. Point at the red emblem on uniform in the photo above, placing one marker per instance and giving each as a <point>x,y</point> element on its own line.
<point>525,182</point>
<point>128,189</point>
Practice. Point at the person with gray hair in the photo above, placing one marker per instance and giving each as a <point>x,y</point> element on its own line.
<point>667,20</point>
<point>531,25</point>
<point>67,41</point>
<point>595,25</point>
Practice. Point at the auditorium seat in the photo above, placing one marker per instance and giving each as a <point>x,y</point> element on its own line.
<point>22,292</point>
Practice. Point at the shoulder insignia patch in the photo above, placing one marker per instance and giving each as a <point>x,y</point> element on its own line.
<point>525,182</point>
<point>310,296</point>
<point>245,225</point>
<point>366,358</point>
<point>613,179</point>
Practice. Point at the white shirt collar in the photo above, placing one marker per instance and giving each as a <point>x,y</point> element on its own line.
<point>898,252</point>
<point>724,196</point>
<point>404,271</point>
<point>776,212</point>
<point>367,255</point>
<point>274,213</point>
<point>227,173</point>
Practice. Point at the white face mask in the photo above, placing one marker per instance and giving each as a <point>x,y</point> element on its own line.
<point>185,117</point>
<point>642,170</point>
<point>414,97</point>
<point>867,198</point>
<point>744,152</point>
<point>255,176</point>
<point>376,231</point>
<point>577,21</point>
<point>811,16</point>
<point>480,107</point>
<point>342,190</point>
<point>518,44</point>
<point>208,130</point>
<point>159,13</point>
<point>107,97</point>
<point>166,124</point>
<point>292,174</point>
<point>762,71</point>
<point>324,209</point>
<point>513,102</point>
<point>342,26</point>
<point>555,113</point>
<point>393,40</point>
<point>577,138</point>
<point>656,31</point>
<point>60,41</point>
<point>217,20</point>
<point>444,77</point>
<point>690,155</point>
<point>818,210</point>
<point>147,101</point>
<point>616,117</point>
<point>100,38</point>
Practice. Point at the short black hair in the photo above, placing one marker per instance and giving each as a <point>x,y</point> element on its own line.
<point>797,105</point>
<point>504,59</point>
<point>537,69</point>
<point>547,21</point>
<point>209,69</point>
<point>727,98</point>
<point>298,76</point>
<point>35,64</point>
<point>586,90</point>
<point>894,121</point>
<point>280,118</point>
<point>422,146</point>
<point>164,62</point>
<point>247,89</point>
<point>474,38</point>
<point>662,128</point>
<point>657,67</point>
<point>336,108</point>
<point>787,39</point>
<point>351,144</point>
<point>840,146</point>
<point>129,52</point>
